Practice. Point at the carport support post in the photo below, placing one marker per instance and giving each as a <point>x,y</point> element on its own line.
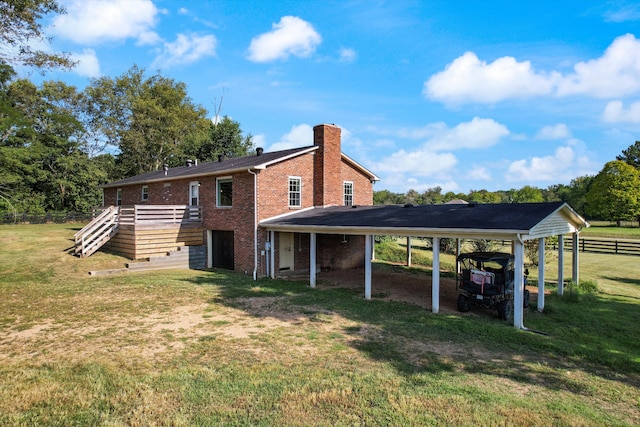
<point>368,250</point>
<point>518,284</point>
<point>576,248</point>
<point>408,251</point>
<point>560,264</point>
<point>541,274</point>
<point>435,277</point>
<point>272,254</point>
<point>312,260</point>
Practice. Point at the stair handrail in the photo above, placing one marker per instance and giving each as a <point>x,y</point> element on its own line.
<point>88,228</point>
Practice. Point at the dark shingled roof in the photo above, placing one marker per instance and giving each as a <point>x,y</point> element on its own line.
<point>211,168</point>
<point>507,216</point>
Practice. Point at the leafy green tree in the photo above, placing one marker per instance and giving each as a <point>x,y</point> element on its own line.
<point>21,31</point>
<point>147,118</point>
<point>484,196</point>
<point>223,137</point>
<point>631,155</point>
<point>386,197</point>
<point>528,194</point>
<point>614,194</point>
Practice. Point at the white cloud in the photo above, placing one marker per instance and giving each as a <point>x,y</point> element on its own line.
<point>291,36</point>
<point>622,14</point>
<point>347,55</point>
<point>467,79</point>
<point>562,166</point>
<point>478,133</point>
<point>420,162</point>
<point>88,22</point>
<point>479,173</point>
<point>185,50</point>
<point>298,136</point>
<point>557,131</point>
<point>615,112</point>
<point>148,38</point>
<point>614,74</point>
<point>88,64</point>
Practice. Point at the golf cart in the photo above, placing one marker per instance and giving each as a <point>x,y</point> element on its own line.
<point>486,279</point>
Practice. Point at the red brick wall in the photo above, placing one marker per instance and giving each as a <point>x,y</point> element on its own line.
<point>362,186</point>
<point>328,183</point>
<point>273,186</point>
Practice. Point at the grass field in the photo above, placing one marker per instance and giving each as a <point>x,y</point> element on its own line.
<point>182,347</point>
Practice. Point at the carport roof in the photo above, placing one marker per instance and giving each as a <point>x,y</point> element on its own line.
<point>496,221</point>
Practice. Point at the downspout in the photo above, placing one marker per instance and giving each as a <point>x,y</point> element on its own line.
<point>255,223</point>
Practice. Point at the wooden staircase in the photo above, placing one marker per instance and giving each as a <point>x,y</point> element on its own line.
<point>98,232</point>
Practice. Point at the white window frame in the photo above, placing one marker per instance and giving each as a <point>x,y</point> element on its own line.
<point>291,193</point>
<point>347,185</point>
<point>144,196</point>
<point>194,193</point>
<point>119,197</point>
<point>221,180</point>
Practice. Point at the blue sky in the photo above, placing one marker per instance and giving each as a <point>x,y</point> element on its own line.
<point>465,95</point>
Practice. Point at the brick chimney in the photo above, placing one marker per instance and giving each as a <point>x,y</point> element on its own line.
<point>327,161</point>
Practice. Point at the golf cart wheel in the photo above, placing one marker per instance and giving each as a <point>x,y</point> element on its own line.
<point>526,300</point>
<point>505,309</point>
<point>463,303</point>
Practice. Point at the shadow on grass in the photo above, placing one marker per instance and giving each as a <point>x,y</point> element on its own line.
<point>625,280</point>
<point>592,333</point>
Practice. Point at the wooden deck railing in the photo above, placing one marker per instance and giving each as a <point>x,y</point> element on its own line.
<point>160,214</point>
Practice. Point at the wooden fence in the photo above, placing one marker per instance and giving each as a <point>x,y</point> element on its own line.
<point>44,218</point>
<point>605,246</point>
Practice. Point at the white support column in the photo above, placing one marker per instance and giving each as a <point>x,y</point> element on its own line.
<point>368,248</point>
<point>575,276</point>
<point>312,260</point>
<point>560,265</point>
<point>272,259</point>
<point>541,274</point>
<point>209,249</point>
<point>518,285</point>
<point>408,251</point>
<point>435,277</point>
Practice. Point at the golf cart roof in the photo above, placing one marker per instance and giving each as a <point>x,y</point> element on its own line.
<point>501,258</point>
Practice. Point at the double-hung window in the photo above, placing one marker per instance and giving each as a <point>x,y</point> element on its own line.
<point>119,197</point>
<point>194,193</point>
<point>348,193</point>
<point>224,192</point>
<point>145,193</point>
<point>295,192</point>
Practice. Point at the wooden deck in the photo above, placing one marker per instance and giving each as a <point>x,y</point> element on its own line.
<point>146,231</point>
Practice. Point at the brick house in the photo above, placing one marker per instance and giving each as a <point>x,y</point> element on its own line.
<point>221,205</point>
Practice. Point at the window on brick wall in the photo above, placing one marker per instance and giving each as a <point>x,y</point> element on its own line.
<point>348,193</point>
<point>194,193</point>
<point>224,191</point>
<point>145,193</point>
<point>119,197</point>
<point>295,190</point>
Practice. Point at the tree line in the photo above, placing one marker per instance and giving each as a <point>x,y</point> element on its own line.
<point>58,144</point>
<point>611,195</point>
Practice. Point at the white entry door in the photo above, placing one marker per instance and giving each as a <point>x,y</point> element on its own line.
<point>286,251</point>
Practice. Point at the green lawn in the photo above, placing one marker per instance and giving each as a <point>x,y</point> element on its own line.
<point>605,229</point>
<point>185,347</point>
